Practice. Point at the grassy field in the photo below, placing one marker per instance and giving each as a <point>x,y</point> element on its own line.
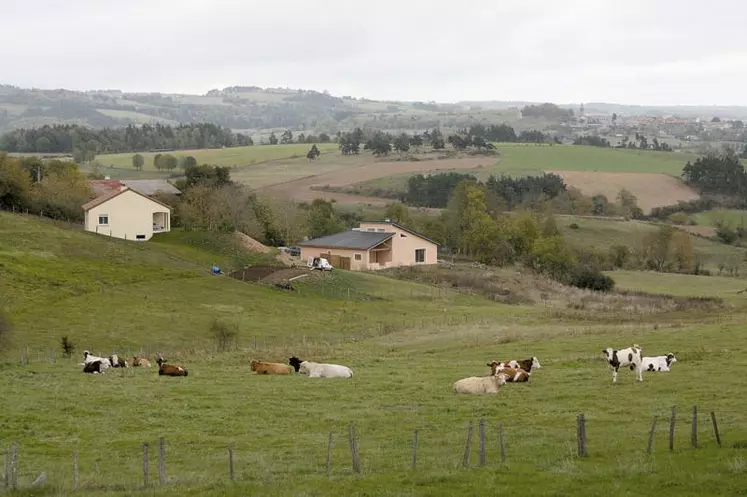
<point>732,218</point>
<point>233,156</point>
<point>523,160</point>
<point>407,344</point>
<point>601,234</point>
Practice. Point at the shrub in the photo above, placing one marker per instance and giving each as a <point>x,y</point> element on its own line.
<point>225,335</point>
<point>573,226</point>
<point>68,347</point>
<point>583,276</point>
<point>619,255</point>
<point>726,235</point>
<point>680,218</point>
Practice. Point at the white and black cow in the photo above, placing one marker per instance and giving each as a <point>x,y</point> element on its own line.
<point>624,357</point>
<point>95,367</point>
<point>658,363</point>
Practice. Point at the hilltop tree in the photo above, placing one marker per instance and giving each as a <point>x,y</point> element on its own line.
<point>416,141</point>
<point>15,184</point>
<point>349,143</point>
<point>138,162</point>
<point>716,174</point>
<point>273,139</point>
<point>379,144</point>
<point>437,139</point>
<point>301,138</point>
<point>286,137</point>
<point>402,143</point>
<point>323,137</point>
<point>187,162</point>
<point>398,213</point>
<point>157,161</point>
<point>313,153</point>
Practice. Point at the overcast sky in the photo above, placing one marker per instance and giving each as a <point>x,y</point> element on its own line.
<point>632,51</point>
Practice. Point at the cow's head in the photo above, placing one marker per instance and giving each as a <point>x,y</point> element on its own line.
<point>501,378</point>
<point>671,358</point>
<point>160,360</point>
<point>535,363</point>
<point>303,368</point>
<point>254,363</point>
<point>86,353</point>
<point>295,362</point>
<point>607,353</point>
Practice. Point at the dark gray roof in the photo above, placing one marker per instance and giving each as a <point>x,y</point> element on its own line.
<point>357,240</point>
<point>397,225</point>
<point>150,186</point>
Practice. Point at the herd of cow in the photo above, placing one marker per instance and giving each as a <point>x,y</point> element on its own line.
<point>502,372</point>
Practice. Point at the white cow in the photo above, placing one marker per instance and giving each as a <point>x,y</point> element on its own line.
<point>319,370</point>
<point>480,384</point>
<point>624,357</point>
<point>658,363</point>
<point>88,358</point>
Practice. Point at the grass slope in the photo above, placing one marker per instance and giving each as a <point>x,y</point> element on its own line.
<point>733,218</point>
<point>406,342</point>
<point>233,156</point>
<point>523,160</point>
<point>601,234</point>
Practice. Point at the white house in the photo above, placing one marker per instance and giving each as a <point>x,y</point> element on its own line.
<point>127,214</point>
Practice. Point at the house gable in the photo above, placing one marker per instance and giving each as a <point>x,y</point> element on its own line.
<point>107,197</point>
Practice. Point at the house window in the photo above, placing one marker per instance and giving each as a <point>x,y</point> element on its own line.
<point>419,255</point>
<point>104,219</point>
<point>140,237</point>
<point>357,257</point>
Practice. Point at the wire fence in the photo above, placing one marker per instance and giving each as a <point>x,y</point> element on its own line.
<point>158,463</point>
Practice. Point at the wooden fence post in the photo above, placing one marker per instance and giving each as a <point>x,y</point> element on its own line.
<point>230,460</point>
<point>715,428</point>
<point>415,449</point>
<point>467,446</point>
<point>483,457</point>
<point>651,435</point>
<point>501,442</point>
<point>146,470</point>
<point>581,435</point>
<point>354,448</point>
<point>329,455</point>
<point>162,461</point>
<point>14,466</point>
<point>672,421</point>
<point>694,431</point>
<point>75,471</point>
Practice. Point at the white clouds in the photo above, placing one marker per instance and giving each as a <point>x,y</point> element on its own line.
<point>560,50</point>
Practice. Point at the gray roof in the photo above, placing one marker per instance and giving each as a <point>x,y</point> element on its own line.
<point>357,240</point>
<point>150,186</point>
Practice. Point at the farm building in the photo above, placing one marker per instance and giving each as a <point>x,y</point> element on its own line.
<point>373,245</point>
<point>128,214</point>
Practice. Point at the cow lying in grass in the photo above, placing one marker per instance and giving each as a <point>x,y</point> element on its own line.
<point>513,375</point>
<point>140,362</point>
<point>630,356</point>
<point>320,370</point>
<point>526,364</point>
<point>659,363</point>
<point>259,367</point>
<point>479,385</point>
<point>117,362</point>
<point>95,367</point>
<point>169,369</point>
<point>88,358</point>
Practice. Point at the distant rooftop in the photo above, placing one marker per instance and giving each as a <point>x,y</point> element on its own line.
<point>151,186</point>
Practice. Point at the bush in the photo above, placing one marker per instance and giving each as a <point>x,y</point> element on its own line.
<point>620,255</point>
<point>680,218</point>
<point>573,226</point>
<point>68,347</point>
<point>583,276</point>
<point>726,235</point>
<point>225,335</point>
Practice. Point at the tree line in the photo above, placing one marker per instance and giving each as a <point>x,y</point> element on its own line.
<point>640,143</point>
<point>435,190</point>
<point>85,142</point>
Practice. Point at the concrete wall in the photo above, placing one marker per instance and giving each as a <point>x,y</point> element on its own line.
<point>130,215</point>
<point>404,245</point>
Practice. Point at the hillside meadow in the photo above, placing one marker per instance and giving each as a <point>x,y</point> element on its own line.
<point>525,159</point>
<point>406,342</point>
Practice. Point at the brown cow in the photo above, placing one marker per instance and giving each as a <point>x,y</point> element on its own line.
<point>169,369</point>
<point>513,375</point>
<point>140,362</point>
<point>259,367</point>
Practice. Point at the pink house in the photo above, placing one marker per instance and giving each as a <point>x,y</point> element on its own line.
<point>373,245</point>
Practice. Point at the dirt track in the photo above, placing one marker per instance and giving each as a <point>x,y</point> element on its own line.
<point>301,189</point>
<point>651,189</point>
